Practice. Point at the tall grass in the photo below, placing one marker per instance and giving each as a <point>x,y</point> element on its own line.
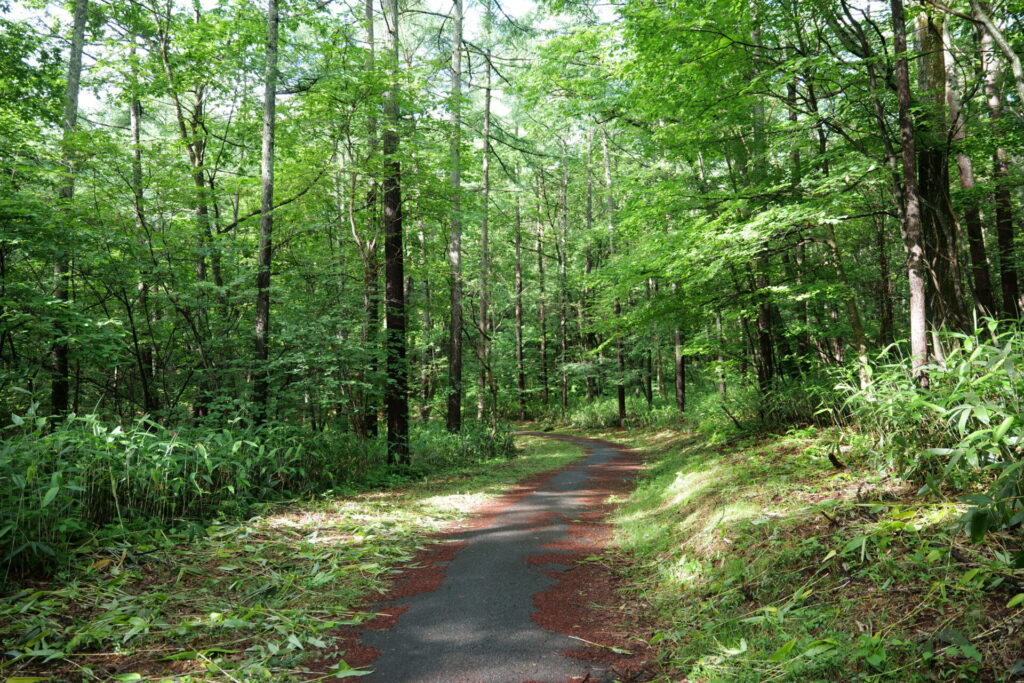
<point>965,431</point>
<point>62,480</point>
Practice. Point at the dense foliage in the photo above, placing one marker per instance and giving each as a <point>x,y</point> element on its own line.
<point>242,246</point>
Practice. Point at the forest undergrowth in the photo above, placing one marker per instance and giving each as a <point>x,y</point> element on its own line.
<point>761,560</point>
<point>876,537</point>
<point>241,598</point>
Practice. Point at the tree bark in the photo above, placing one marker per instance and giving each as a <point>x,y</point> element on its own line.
<point>396,390</point>
<point>454,405</point>
<point>520,361</point>
<point>1008,280</point>
<point>944,296</point>
<point>484,320</point>
<point>563,295</point>
<point>620,360</point>
<point>983,294</point>
<point>542,315</point>
<point>60,387</point>
<point>912,201</point>
<point>144,351</point>
<point>262,380</point>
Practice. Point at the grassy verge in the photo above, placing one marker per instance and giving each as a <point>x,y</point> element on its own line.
<point>239,601</point>
<point>763,561</point>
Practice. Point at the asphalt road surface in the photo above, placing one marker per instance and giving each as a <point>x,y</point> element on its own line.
<point>476,626</point>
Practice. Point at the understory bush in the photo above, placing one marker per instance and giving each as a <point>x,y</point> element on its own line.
<point>63,480</point>
<point>434,447</point>
<point>964,431</point>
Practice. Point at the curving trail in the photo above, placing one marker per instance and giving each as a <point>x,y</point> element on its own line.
<point>497,599</point>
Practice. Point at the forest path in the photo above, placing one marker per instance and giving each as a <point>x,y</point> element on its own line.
<point>497,599</point>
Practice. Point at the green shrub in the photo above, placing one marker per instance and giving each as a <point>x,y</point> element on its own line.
<point>63,478</point>
<point>965,431</point>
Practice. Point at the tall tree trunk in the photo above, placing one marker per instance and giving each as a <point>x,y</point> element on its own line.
<point>484,321</point>
<point>563,295</point>
<point>585,333</point>
<point>426,375</point>
<point>912,202</point>
<point>454,407</point>
<point>945,297</point>
<point>520,361</point>
<point>982,12</point>
<point>885,313</point>
<point>396,390</point>
<point>620,360</point>
<point>60,393</point>
<point>368,247</point>
<point>1008,281</point>
<point>542,314</point>
<point>765,346</point>
<point>680,364</point>
<point>972,213</point>
<point>144,351</point>
<point>261,385</point>
<point>720,357</point>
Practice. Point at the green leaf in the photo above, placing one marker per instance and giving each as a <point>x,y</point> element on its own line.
<point>50,495</point>
<point>978,524</point>
<point>783,651</point>
<point>999,432</point>
<point>1015,600</point>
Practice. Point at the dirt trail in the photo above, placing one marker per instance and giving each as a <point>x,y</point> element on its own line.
<point>497,599</point>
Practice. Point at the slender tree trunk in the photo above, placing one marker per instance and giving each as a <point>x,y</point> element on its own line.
<point>680,364</point>
<point>369,251</point>
<point>144,351</point>
<point>396,391</point>
<point>586,335</point>
<point>720,357</point>
<point>972,213</point>
<point>454,414</point>
<point>426,375</point>
<point>484,322</point>
<point>1008,280</point>
<point>680,372</point>
<point>520,361</point>
<point>261,384</point>
<point>765,346</point>
<point>982,12</point>
<point>59,351</point>
<point>542,314</point>
<point>912,202</point>
<point>886,323</point>
<point>563,295</point>
<point>620,360</point>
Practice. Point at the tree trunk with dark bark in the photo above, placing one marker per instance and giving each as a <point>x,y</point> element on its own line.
<point>396,390</point>
<point>60,387</point>
<point>261,392</point>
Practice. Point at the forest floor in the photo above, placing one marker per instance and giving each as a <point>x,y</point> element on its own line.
<point>755,560</point>
<point>260,599</point>
<point>762,560</point>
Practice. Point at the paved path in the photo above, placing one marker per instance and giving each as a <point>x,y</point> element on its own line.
<point>476,626</point>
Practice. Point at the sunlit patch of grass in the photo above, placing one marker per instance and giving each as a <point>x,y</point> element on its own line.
<point>247,600</point>
<point>762,561</point>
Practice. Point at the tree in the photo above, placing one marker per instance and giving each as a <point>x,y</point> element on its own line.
<point>261,388</point>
